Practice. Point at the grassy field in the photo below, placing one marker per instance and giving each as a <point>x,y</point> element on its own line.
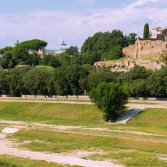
<point>46,140</point>
<point>62,114</point>
<point>151,120</point>
<point>126,151</point>
<point>11,161</point>
<point>130,149</point>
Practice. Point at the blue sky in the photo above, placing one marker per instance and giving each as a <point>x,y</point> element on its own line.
<point>77,5</point>
<point>75,20</point>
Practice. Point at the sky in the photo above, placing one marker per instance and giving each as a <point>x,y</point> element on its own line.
<point>75,20</point>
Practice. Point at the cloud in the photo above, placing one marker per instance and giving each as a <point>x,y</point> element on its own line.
<point>139,3</point>
<point>75,26</point>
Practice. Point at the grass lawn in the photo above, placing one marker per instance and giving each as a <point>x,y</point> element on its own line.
<point>45,140</point>
<point>11,161</point>
<point>129,149</point>
<point>125,151</point>
<point>132,158</point>
<point>62,114</point>
<point>150,120</point>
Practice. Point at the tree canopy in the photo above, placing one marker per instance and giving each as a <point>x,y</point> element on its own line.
<point>146,33</point>
<point>111,99</point>
<point>101,44</point>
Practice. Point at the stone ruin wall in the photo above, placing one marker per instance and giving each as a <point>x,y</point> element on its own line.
<point>126,65</point>
<point>146,49</point>
<point>137,55</point>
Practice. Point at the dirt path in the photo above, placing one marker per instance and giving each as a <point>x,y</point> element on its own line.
<point>62,128</point>
<point>140,106</point>
<point>44,101</point>
<point>143,106</point>
<point>7,149</point>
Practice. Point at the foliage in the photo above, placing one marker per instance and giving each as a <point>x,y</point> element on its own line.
<point>37,79</point>
<point>146,33</point>
<point>24,53</point>
<point>32,46</point>
<point>96,77</point>
<point>163,58</point>
<point>139,88</point>
<point>51,60</point>
<point>134,74</point>
<point>157,83</point>
<point>111,99</point>
<point>7,60</point>
<point>114,53</point>
<point>72,51</point>
<point>6,49</point>
<point>102,43</point>
<point>131,38</point>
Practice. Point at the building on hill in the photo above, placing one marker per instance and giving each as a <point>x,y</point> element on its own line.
<point>61,49</point>
<point>159,33</point>
<point>145,53</point>
<point>152,48</point>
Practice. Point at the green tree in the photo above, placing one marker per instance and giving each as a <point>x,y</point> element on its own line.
<point>72,51</point>
<point>32,46</point>
<point>110,99</point>
<point>14,81</point>
<point>157,83</point>
<point>146,33</point>
<point>21,56</point>
<point>101,43</point>
<point>6,49</point>
<point>28,51</point>
<point>7,60</point>
<point>77,77</point>
<point>4,87</point>
<point>96,77</point>
<point>62,83</point>
<point>50,60</point>
<point>135,73</point>
<point>114,53</point>
<point>131,38</point>
<point>139,88</point>
<point>37,79</point>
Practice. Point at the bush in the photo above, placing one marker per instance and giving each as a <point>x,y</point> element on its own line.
<point>110,99</point>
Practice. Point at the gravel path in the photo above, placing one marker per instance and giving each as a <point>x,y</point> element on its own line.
<point>34,125</point>
<point>44,101</point>
<point>7,149</point>
<point>143,106</point>
<point>131,105</point>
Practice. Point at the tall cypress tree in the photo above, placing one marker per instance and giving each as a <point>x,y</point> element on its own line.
<point>146,31</point>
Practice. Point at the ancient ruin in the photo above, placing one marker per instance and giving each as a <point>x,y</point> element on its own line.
<point>145,52</point>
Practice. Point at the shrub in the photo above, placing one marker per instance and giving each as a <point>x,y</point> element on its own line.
<point>110,99</point>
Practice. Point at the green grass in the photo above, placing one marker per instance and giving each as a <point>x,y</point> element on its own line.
<point>63,114</point>
<point>130,152</point>
<point>45,140</point>
<point>133,150</point>
<point>11,161</point>
<point>151,120</point>
<point>132,158</point>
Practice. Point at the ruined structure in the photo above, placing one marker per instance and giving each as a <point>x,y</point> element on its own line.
<point>126,65</point>
<point>152,48</point>
<point>145,53</point>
